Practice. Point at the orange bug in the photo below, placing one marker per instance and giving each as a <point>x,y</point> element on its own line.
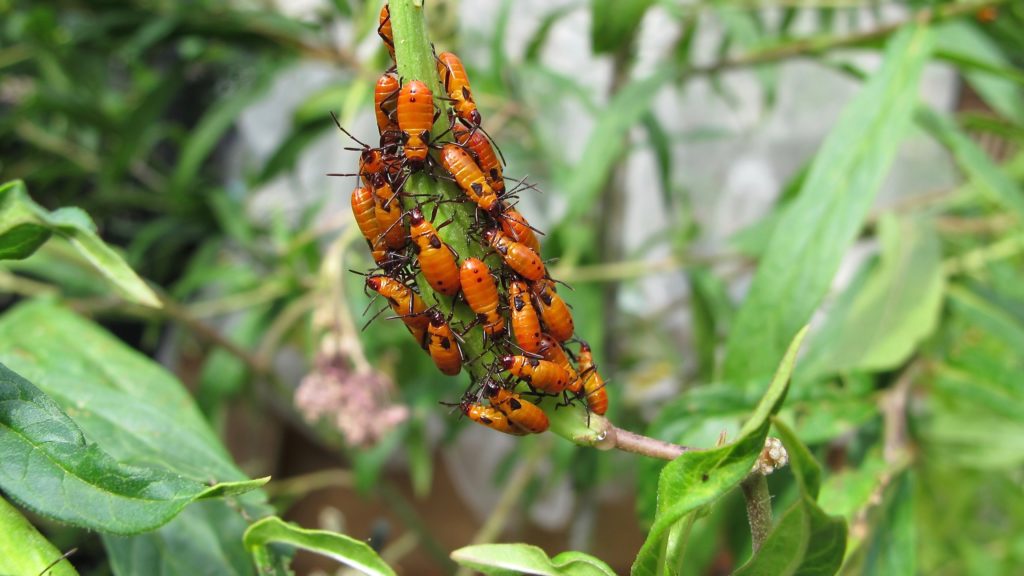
<point>539,374</point>
<point>389,215</point>
<point>468,175</point>
<point>480,148</point>
<point>437,261</point>
<point>415,118</point>
<point>384,30</point>
<point>525,322</point>
<point>516,255</point>
<point>481,294</point>
<point>385,103</point>
<point>371,165</point>
<point>553,310</point>
<point>517,228</point>
<point>593,384</point>
<point>491,417</point>
<point>363,209</point>
<point>444,349</point>
<point>456,84</point>
<point>551,350</point>
<point>405,303</point>
<point>522,413</point>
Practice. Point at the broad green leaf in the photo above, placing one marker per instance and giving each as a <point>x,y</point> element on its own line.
<point>698,478</point>
<point>346,550</point>
<point>23,550</point>
<point>614,23</point>
<point>815,230</point>
<point>48,465</point>
<point>25,226</point>
<point>806,542</point>
<point>961,42</point>
<point>205,536</point>
<point>125,403</point>
<point>882,317</point>
<point>980,170</point>
<point>506,559</point>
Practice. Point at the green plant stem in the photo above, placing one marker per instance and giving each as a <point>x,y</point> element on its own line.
<point>819,45</point>
<point>759,507</point>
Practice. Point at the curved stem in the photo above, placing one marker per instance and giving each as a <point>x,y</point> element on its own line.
<point>646,446</point>
<point>759,507</point>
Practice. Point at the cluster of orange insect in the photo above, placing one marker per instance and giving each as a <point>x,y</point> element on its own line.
<point>404,242</point>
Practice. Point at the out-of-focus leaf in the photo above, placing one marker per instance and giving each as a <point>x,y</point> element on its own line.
<point>880,319</point>
<point>892,545</point>
<point>963,43</point>
<point>508,559</point>
<point>711,312</point>
<point>805,541</point>
<point>47,464</point>
<point>661,145</point>
<point>346,550</point>
<point>980,170</point>
<point>615,23</point>
<point>815,230</point>
<point>205,537</point>
<point>540,36</point>
<point>23,550</point>
<point>696,479</point>
<point>287,153</point>
<point>421,462</point>
<point>607,143</point>
<point>203,139</point>
<point>25,226</point>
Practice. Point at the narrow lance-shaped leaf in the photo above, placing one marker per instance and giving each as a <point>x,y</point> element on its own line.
<point>25,226</point>
<point>815,230</point>
<point>504,559</point>
<point>701,477</point>
<point>344,549</point>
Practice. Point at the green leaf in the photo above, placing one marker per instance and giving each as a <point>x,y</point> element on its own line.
<point>346,550</point>
<point>815,230</point>
<point>23,550</point>
<point>48,465</point>
<point>968,47</point>
<point>206,536</point>
<point>888,311</point>
<point>892,546</point>
<point>803,464</point>
<point>526,559</point>
<point>698,478</point>
<point>806,541</point>
<point>614,23</point>
<point>980,170</point>
<point>25,226</point>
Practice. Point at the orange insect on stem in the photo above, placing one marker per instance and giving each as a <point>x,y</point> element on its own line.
<point>415,119</point>
<point>442,345</point>
<point>456,84</point>
<point>363,210</point>
<point>593,384</point>
<point>525,321</point>
<point>517,255</point>
<point>554,312</point>
<point>481,294</point>
<point>551,350</point>
<point>405,303</point>
<point>468,176</point>
<point>539,374</point>
<point>522,413</point>
<point>384,30</point>
<point>481,150</point>
<point>437,261</point>
<point>491,417</point>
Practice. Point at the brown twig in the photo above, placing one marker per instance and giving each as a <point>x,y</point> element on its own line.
<point>644,445</point>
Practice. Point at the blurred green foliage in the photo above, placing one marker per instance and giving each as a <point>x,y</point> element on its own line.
<point>908,393</point>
